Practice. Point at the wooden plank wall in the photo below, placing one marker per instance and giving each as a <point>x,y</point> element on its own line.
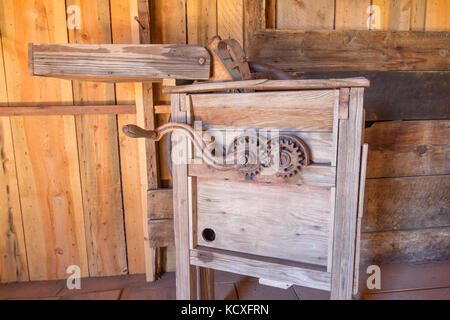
<point>70,184</point>
<point>57,173</point>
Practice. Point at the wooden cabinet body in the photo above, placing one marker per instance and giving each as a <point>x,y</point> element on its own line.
<point>299,228</point>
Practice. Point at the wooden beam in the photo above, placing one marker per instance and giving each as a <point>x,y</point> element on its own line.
<point>336,50</point>
<point>67,110</point>
<point>260,267</point>
<point>119,62</point>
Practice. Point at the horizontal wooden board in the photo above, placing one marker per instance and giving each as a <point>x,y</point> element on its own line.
<point>320,144</point>
<point>408,148</point>
<point>161,233</point>
<point>264,84</point>
<point>299,110</point>
<point>119,62</point>
<point>363,50</point>
<point>405,246</point>
<point>67,110</point>
<point>313,174</point>
<point>254,266</point>
<point>160,204</point>
<point>286,222</point>
<point>407,203</point>
<point>399,95</point>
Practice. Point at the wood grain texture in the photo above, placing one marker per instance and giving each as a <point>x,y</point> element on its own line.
<point>160,204</point>
<point>407,203</point>
<point>269,85</point>
<point>437,13</point>
<point>230,20</point>
<point>405,246</point>
<point>352,14</point>
<point>161,233</point>
<point>67,110</point>
<point>400,95</point>
<point>285,222</point>
<point>125,29</point>
<point>271,269</point>
<point>168,23</point>
<point>347,192</point>
<point>301,110</point>
<point>254,19</point>
<point>99,154</point>
<point>126,62</point>
<point>201,16</point>
<point>306,15</point>
<point>45,149</point>
<point>408,148</point>
<point>315,175</point>
<point>338,50</point>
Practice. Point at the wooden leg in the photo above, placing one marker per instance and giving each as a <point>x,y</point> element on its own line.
<point>206,283</point>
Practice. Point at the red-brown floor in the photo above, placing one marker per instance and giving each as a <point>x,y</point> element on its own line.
<point>398,281</point>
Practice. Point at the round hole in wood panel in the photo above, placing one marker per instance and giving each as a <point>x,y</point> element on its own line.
<point>208,234</point>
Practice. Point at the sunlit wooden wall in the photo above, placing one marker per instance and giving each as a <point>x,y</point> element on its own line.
<point>71,185</point>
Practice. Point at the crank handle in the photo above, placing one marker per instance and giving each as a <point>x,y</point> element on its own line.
<point>134,131</point>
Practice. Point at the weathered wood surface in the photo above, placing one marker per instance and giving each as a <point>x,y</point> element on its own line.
<point>405,246</point>
<point>67,110</point>
<point>160,204</point>
<point>161,233</point>
<point>255,266</point>
<point>201,16</point>
<point>336,50</point>
<point>306,15</point>
<point>120,62</point>
<point>301,110</point>
<point>347,192</point>
<point>398,95</point>
<point>230,19</point>
<point>314,175</point>
<point>407,203</point>
<point>286,222</point>
<point>98,151</point>
<point>264,84</point>
<point>408,148</point>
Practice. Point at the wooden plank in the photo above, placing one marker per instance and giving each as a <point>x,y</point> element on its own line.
<point>264,84</point>
<point>185,274</point>
<point>437,13</point>
<point>243,219</point>
<point>13,265</point>
<point>161,233</point>
<point>45,148</point>
<point>124,62</point>
<point>201,21</point>
<point>352,14</point>
<point>338,50</point>
<point>230,20</point>
<point>271,14</point>
<point>67,110</point>
<point>405,246</point>
<point>315,175</point>
<point>427,294</point>
<point>418,11</point>
<point>310,15</point>
<point>254,19</point>
<point>125,29</point>
<point>301,110</point>
<point>347,189</point>
<point>408,148</point>
<point>400,95</point>
<point>254,266</point>
<point>99,154</point>
<point>168,23</point>
<point>160,204</point>
<point>406,203</point>
<point>206,287</point>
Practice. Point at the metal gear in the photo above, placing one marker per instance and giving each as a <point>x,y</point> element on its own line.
<point>291,153</point>
<point>250,154</point>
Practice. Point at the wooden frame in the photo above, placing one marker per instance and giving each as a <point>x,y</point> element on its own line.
<point>194,261</point>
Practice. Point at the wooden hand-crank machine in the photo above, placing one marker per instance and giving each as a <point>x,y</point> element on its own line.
<point>268,174</point>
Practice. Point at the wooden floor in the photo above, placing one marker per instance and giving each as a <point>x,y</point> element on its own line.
<point>398,281</point>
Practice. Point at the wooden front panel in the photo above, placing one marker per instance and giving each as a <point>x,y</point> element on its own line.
<point>290,110</point>
<point>280,221</point>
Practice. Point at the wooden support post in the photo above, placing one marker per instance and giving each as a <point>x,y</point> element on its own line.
<point>185,273</point>
<point>347,193</point>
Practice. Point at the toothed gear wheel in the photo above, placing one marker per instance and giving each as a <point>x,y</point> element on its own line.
<point>250,154</point>
<point>292,156</point>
